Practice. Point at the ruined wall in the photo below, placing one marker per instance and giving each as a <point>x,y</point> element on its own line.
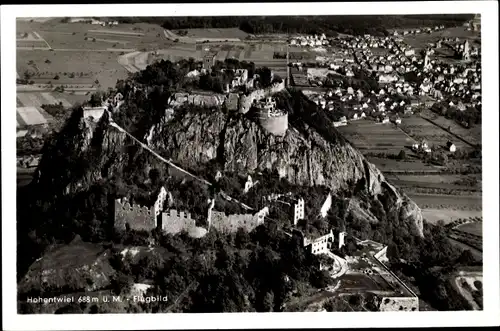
<point>276,125</point>
<point>95,113</point>
<point>174,222</point>
<point>214,100</point>
<point>137,217</point>
<point>399,304</point>
<point>246,100</point>
<point>231,223</point>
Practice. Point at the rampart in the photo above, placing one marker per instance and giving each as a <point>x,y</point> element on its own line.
<point>213,100</point>
<point>95,112</point>
<point>137,217</point>
<point>246,101</point>
<point>174,222</point>
<point>276,125</point>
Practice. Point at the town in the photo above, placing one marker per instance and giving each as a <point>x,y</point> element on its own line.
<point>182,107</point>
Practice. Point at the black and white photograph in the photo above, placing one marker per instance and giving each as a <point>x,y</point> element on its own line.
<point>187,164</point>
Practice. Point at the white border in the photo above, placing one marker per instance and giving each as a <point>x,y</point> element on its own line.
<point>490,316</point>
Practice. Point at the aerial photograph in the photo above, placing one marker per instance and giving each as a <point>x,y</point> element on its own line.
<point>249,164</point>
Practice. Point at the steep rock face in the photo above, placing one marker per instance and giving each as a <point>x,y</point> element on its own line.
<point>303,160</point>
<point>192,140</point>
<point>59,267</point>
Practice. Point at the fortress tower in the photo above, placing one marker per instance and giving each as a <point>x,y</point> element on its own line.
<point>272,119</point>
<point>208,61</point>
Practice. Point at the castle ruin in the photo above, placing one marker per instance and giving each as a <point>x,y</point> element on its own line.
<point>231,223</point>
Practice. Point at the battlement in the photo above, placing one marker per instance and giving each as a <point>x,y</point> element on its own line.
<point>231,223</point>
<point>137,217</point>
<point>173,221</point>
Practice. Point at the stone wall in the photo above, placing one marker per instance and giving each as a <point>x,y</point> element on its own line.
<point>399,304</point>
<point>246,100</point>
<point>95,112</point>
<point>231,223</point>
<point>213,100</point>
<point>137,217</point>
<point>174,222</point>
<point>275,125</point>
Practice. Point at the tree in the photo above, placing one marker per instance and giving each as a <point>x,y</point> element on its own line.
<point>268,302</point>
<point>27,74</point>
<point>466,258</point>
<point>121,284</point>
<point>73,308</point>
<point>402,155</point>
<point>242,238</point>
<point>56,77</point>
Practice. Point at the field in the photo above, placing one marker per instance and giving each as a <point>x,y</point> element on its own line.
<point>371,137</point>
<point>260,54</point>
<point>85,66</point>
<point>447,215</point>
<point>420,128</point>
<point>474,228</point>
<point>419,41</point>
<point>470,136</point>
<point>459,183</point>
<point>441,196</point>
<point>453,202</point>
<point>200,34</point>
<point>37,99</point>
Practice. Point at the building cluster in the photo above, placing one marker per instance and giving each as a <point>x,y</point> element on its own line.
<point>418,31</point>
<point>406,79</point>
<point>310,41</point>
<point>92,21</point>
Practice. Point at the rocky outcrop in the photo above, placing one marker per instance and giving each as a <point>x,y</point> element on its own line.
<point>58,268</point>
<point>192,140</point>
<point>246,101</point>
<point>303,161</point>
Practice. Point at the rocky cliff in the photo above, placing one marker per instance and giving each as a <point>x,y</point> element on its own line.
<point>303,158</point>
<point>192,140</point>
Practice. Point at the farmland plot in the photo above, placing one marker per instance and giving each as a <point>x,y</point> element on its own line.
<point>373,137</point>
<point>473,228</point>
<point>419,128</point>
<point>472,135</point>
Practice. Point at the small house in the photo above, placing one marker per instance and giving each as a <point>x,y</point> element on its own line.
<point>451,147</point>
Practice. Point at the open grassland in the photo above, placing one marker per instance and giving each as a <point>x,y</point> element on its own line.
<point>453,202</point>
<point>85,67</point>
<point>420,40</point>
<point>475,228</point>
<point>84,36</point>
<point>37,99</point>
<point>465,183</point>
<point>447,215</point>
<point>471,136</point>
<point>372,137</point>
<point>214,33</point>
<point>436,137</point>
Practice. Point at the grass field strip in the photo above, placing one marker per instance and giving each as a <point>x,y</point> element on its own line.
<point>31,115</point>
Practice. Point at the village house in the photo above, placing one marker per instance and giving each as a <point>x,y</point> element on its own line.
<point>451,147</point>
